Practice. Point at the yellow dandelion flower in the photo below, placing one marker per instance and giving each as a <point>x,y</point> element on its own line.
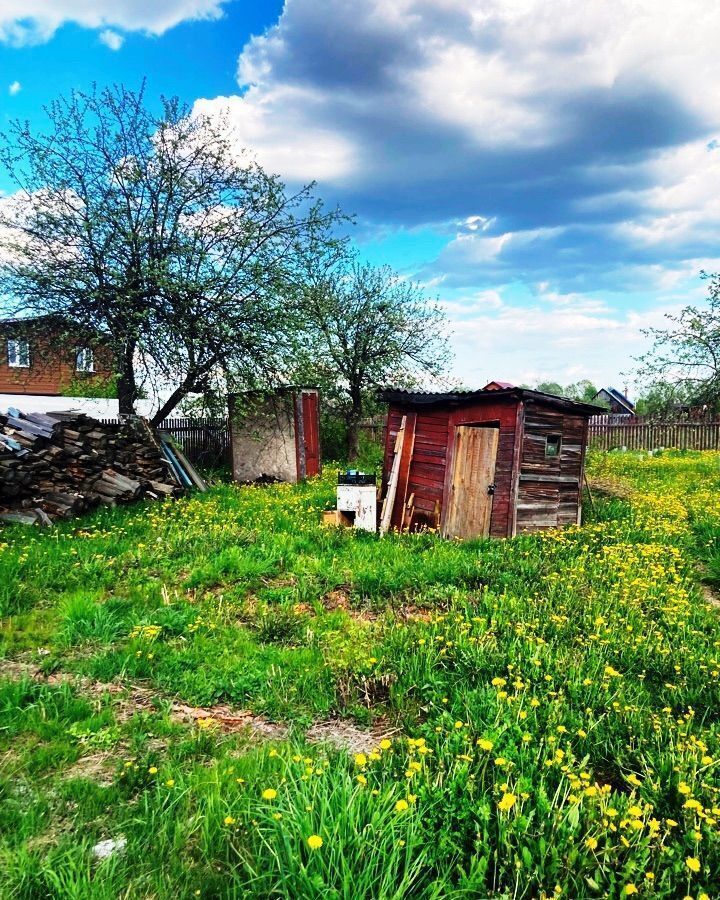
<point>591,843</point>
<point>693,863</point>
<point>507,802</point>
<point>314,842</point>
<point>228,820</point>
<point>485,744</point>
<point>401,806</point>
<point>269,794</point>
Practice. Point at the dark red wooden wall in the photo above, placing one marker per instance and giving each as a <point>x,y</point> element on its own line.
<point>429,475</point>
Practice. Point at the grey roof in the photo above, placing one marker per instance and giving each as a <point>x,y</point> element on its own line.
<point>616,395</point>
<point>419,398</point>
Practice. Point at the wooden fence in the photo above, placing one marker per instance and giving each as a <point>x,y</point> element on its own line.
<point>205,442</point>
<point>636,435</point>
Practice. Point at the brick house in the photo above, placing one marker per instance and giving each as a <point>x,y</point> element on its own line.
<point>49,357</point>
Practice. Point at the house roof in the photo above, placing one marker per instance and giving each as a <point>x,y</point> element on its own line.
<point>615,395</point>
<point>496,385</point>
<point>456,398</point>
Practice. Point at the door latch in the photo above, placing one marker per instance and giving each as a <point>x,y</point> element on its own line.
<point>491,489</point>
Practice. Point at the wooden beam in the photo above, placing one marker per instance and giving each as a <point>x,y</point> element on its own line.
<point>406,457</point>
<point>552,479</point>
<point>389,501</point>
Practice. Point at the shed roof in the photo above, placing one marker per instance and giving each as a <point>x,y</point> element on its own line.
<point>457,398</point>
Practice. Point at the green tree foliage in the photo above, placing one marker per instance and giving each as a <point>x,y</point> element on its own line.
<point>155,231</point>
<point>367,328</point>
<point>580,390</point>
<point>683,365</point>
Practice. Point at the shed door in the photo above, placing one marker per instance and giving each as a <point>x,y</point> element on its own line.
<point>470,503</point>
<point>311,433</point>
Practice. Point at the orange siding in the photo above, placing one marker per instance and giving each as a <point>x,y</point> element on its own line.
<point>52,367</point>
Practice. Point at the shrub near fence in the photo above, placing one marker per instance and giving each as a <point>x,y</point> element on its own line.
<point>635,435</point>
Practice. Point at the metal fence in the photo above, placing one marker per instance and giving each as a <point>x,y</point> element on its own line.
<point>205,442</point>
<point>636,435</point>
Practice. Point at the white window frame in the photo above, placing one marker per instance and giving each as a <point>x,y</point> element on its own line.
<point>84,360</point>
<point>18,353</point>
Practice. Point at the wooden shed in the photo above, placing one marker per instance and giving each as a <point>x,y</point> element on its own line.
<point>491,462</point>
<point>275,435</point>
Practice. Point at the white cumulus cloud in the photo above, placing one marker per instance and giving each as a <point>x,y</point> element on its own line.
<point>14,88</point>
<point>25,22</point>
<point>111,39</point>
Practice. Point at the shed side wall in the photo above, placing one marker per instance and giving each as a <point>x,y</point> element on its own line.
<point>263,442</point>
<point>549,491</point>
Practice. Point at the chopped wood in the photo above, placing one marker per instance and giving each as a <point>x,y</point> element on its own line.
<point>60,465</point>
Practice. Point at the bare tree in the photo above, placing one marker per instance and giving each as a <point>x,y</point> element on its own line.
<point>154,231</point>
<point>369,327</point>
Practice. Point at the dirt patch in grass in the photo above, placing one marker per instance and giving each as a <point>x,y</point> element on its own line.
<point>16,669</point>
<point>345,736</point>
<point>230,720</point>
<point>610,487</point>
<point>340,599</point>
<point>130,699</point>
<point>710,595</point>
<point>98,767</point>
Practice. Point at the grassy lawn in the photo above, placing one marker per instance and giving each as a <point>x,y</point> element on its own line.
<point>524,718</point>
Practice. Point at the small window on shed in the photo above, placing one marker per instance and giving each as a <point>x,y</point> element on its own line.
<point>553,443</point>
<point>18,354</point>
<point>84,360</point>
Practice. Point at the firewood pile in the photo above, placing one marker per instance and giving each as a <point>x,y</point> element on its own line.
<point>59,465</point>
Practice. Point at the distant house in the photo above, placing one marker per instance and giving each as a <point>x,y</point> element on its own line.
<point>498,386</point>
<point>46,356</point>
<point>618,403</point>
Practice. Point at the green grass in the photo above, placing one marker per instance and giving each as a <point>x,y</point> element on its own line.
<point>555,700</point>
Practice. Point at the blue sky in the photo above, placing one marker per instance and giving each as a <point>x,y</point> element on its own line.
<point>550,171</point>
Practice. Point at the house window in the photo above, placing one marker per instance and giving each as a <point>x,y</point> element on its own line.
<point>18,354</point>
<point>553,442</point>
<point>84,360</point>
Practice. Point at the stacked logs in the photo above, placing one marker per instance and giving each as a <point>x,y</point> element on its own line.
<point>59,465</point>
